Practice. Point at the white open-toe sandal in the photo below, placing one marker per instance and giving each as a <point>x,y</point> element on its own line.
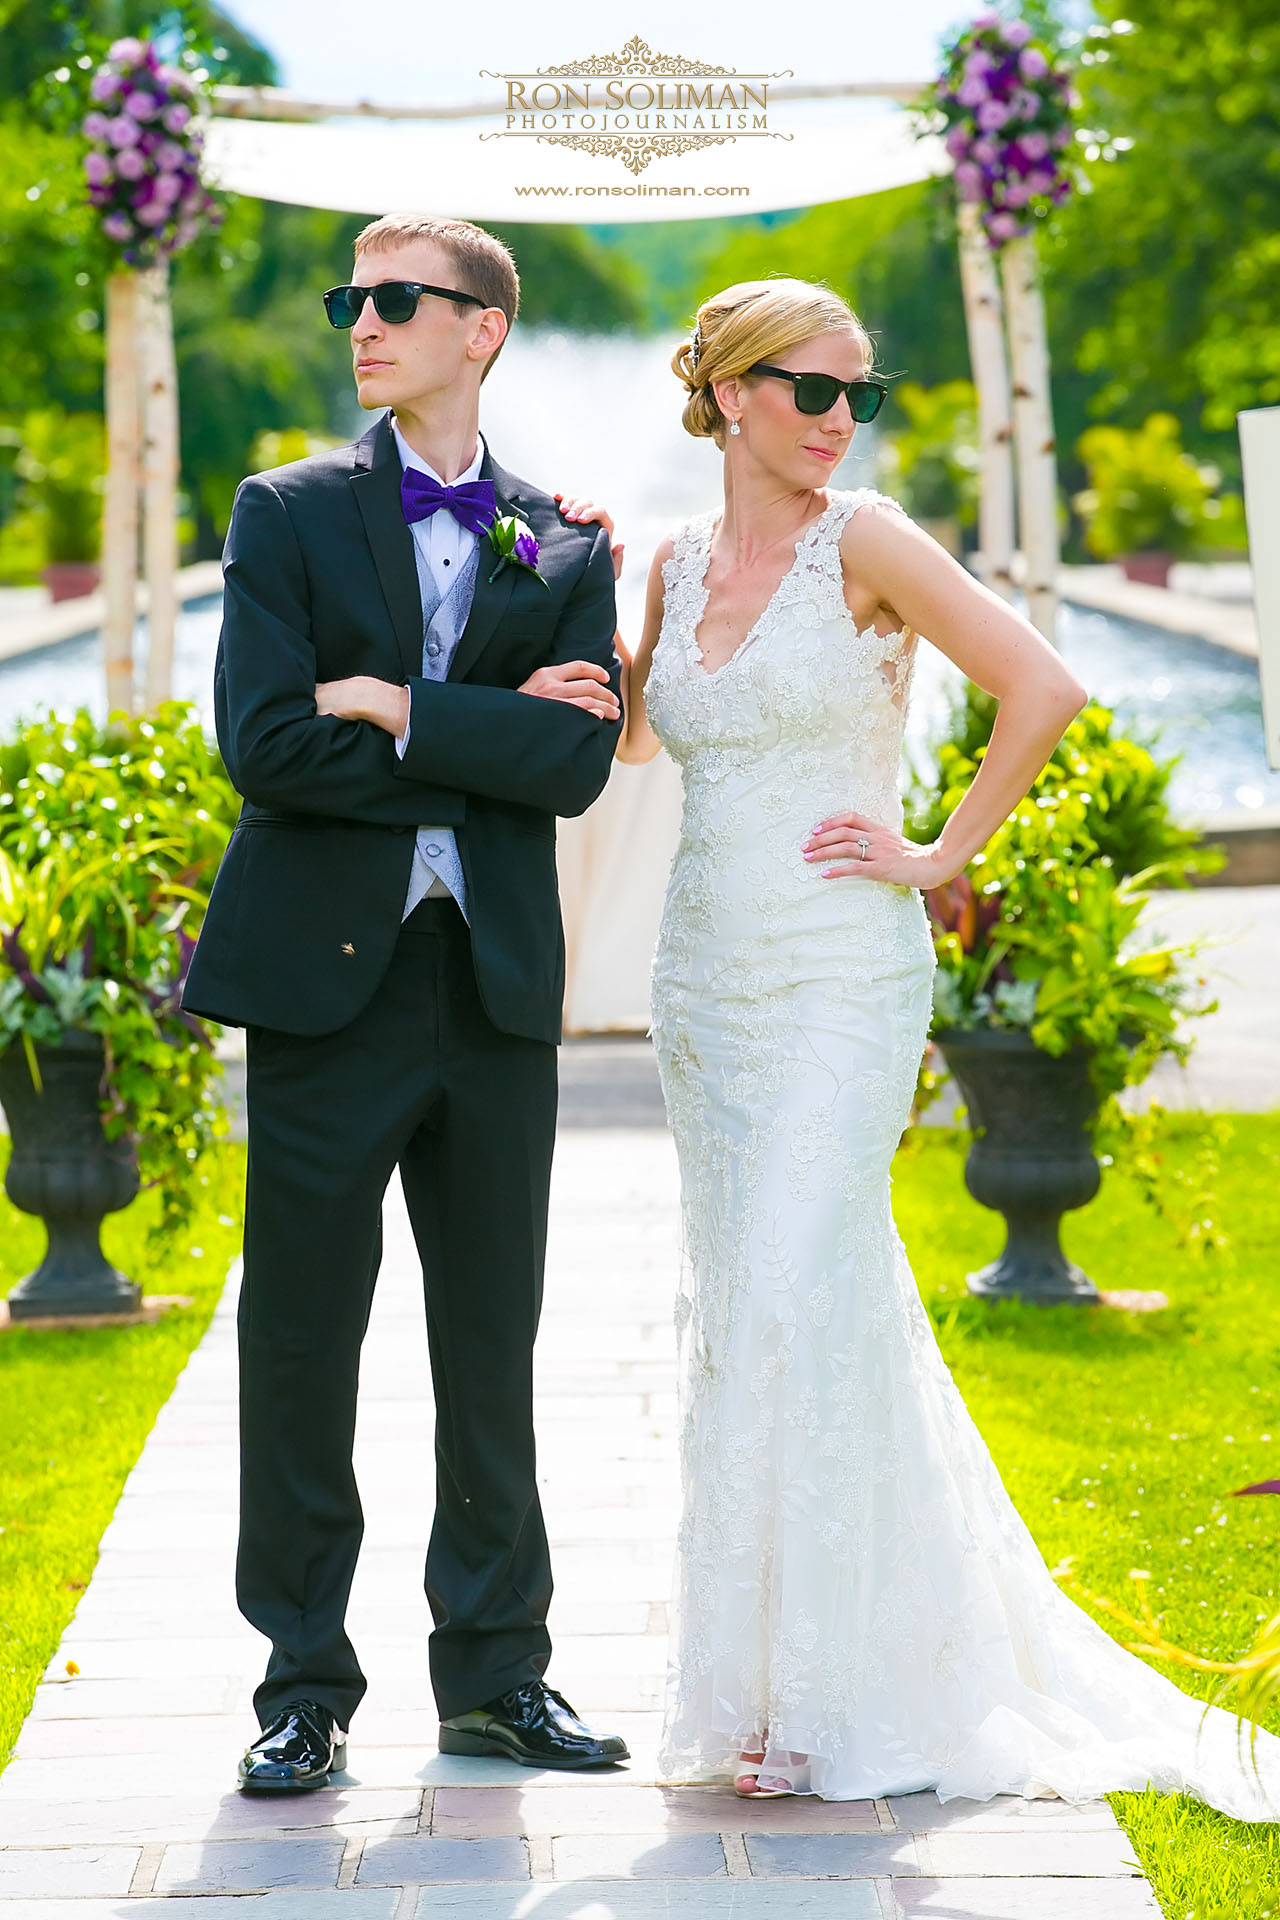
<point>748,1785</point>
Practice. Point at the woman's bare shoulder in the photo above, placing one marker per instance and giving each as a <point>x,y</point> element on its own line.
<point>868,513</point>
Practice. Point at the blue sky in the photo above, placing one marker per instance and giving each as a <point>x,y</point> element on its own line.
<point>432,51</point>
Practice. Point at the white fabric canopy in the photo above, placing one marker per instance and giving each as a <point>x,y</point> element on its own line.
<point>420,167</point>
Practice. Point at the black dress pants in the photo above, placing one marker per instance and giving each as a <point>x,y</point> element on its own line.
<point>423,1080</point>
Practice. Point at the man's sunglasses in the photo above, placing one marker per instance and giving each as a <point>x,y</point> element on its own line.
<point>818,392</point>
<point>394,301</point>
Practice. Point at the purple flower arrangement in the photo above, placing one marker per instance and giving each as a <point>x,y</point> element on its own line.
<point>1006,103</point>
<point>143,164</point>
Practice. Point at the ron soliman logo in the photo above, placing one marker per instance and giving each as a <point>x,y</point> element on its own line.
<point>637,105</point>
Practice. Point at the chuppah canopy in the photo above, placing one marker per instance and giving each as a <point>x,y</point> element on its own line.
<point>478,171</point>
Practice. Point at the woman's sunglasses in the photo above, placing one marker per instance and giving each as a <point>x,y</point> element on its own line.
<point>394,301</point>
<point>818,392</point>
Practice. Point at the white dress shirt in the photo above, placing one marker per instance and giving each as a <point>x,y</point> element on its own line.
<point>440,547</point>
<point>440,543</point>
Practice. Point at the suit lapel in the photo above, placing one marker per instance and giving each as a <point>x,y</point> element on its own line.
<point>376,486</point>
<point>490,599</point>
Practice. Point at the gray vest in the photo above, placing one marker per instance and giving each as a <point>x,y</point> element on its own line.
<point>437,865</point>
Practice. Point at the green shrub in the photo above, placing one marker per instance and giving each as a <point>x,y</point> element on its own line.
<point>61,465</point>
<point>1129,818</point>
<point>1146,493</point>
<point>277,447</point>
<point>1043,932</point>
<point>22,550</point>
<point>931,465</point>
<point>109,841</point>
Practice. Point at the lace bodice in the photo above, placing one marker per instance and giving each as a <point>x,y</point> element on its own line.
<point>808,700</point>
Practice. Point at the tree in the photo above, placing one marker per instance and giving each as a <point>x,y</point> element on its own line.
<point>36,37</point>
<point>253,348</point>
<point>1164,276</point>
<point>52,256</point>
<point>892,255</point>
<point>568,279</point>
<point>50,317</point>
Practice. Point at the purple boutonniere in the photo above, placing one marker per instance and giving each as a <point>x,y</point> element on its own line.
<point>513,542</point>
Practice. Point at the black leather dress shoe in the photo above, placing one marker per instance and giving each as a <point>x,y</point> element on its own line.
<point>534,1726</point>
<point>298,1751</point>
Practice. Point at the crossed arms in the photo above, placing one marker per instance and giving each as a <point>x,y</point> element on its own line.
<point>541,746</point>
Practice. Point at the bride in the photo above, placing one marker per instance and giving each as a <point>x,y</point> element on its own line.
<point>860,1610</point>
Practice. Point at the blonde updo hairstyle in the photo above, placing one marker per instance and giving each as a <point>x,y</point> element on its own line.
<point>756,320</point>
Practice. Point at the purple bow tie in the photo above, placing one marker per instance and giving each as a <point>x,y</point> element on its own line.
<point>472,503</point>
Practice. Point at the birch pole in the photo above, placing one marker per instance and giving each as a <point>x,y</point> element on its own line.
<point>1033,422</point>
<point>984,317</point>
<point>120,513</point>
<point>160,480</point>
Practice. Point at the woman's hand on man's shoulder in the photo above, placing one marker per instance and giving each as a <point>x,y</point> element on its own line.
<point>579,511</point>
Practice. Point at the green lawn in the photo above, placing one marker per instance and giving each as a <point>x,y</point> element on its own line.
<point>1122,1436</point>
<point>75,1409</point>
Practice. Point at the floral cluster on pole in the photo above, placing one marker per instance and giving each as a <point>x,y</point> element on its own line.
<point>143,164</point>
<point>1006,101</point>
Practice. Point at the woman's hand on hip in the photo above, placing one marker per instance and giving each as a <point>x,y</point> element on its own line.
<point>853,846</point>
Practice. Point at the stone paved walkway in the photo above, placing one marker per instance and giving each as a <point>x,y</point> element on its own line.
<point>118,1802</point>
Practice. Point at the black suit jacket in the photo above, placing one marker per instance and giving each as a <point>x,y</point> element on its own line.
<point>321,583</point>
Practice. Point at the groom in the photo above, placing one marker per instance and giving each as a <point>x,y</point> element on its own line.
<point>409,689</point>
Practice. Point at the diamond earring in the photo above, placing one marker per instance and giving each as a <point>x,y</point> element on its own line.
<point>734,427</point>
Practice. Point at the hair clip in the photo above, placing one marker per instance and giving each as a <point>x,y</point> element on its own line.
<point>695,349</point>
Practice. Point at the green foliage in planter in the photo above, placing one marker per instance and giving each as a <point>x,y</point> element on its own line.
<point>60,465</point>
<point>1042,931</point>
<point>1146,493</point>
<point>932,464</point>
<point>109,841</point>
<point>1048,945</point>
<point>1127,789</point>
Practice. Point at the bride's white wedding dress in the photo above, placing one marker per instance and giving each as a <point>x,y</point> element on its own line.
<point>853,1577</point>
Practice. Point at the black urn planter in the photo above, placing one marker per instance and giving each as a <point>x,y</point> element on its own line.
<point>63,1168</point>
<point>1031,1158</point>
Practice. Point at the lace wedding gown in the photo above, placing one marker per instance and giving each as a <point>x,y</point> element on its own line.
<point>853,1576</point>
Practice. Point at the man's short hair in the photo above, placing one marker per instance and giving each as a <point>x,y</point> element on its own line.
<point>484,266</point>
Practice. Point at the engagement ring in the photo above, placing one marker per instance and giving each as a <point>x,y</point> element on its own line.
<point>862,849</point>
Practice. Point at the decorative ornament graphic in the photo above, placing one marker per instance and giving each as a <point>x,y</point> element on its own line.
<point>607,122</point>
<point>637,57</point>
